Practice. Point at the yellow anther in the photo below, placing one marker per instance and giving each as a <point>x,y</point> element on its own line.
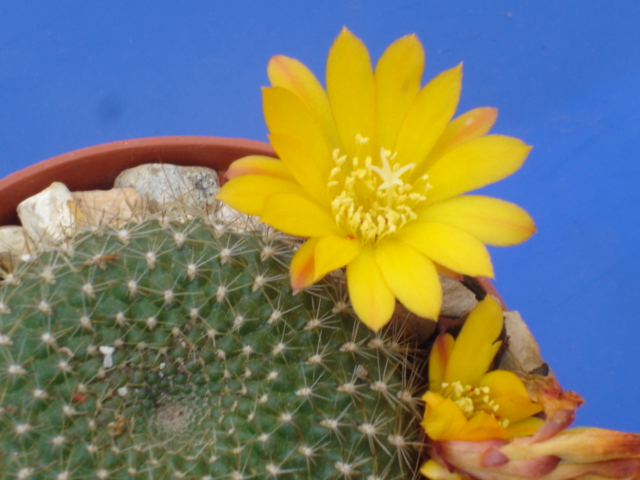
<point>471,400</point>
<point>370,198</point>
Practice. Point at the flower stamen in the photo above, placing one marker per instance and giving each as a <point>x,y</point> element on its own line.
<point>471,400</point>
<point>370,199</point>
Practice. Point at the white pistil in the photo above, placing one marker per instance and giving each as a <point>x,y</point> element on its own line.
<point>390,176</point>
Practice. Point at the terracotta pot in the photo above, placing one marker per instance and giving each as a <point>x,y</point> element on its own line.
<point>96,168</point>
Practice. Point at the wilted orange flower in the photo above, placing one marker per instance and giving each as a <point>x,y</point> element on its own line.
<point>372,170</point>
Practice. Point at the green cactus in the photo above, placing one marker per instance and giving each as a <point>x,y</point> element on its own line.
<point>180,352</point>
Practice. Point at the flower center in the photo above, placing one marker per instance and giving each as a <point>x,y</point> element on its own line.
<point>370,198</point>
<point>471,400</point>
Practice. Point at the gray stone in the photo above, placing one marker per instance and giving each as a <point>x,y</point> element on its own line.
<point>181,193</point>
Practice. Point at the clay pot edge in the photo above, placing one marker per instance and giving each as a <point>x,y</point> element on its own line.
<point>109,159</point>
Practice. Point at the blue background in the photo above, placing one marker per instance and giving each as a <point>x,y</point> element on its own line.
<point>565,76</point>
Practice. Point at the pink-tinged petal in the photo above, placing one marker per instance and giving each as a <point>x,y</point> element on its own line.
<point>448,246</point>
<point>258,165</point>
<point>302,267</point>
<point>351,90</point>
<point>297,215</point>
<point>483,460</point>
<point>333,252</point>
<point>475,164</point>
<point>412,277</point>
<point>508,391</point>
<point>609,470</point>
<point>428,117</point>
<point>438,359</point>
<point>371,298</point>
<point>477,344</point>
<point>286,114</point>
<point>472,124</point>
<point>490,220</point>
<point>397,78</point>
<point>291,74</point>
<point>304,164</point>
<point>582,445</point>
<point>248,193</point>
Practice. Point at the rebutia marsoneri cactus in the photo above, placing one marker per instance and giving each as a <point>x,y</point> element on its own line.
<point>179,351</point>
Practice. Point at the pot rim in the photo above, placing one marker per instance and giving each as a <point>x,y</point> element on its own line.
<point>96,167</point>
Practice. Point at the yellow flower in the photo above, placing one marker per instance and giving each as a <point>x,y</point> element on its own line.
<point>480,424</point>
<point>467,402</point>
<point>371,171</point>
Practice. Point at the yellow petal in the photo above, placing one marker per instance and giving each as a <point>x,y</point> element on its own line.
<point>438,359</point>
<point>431,400</point>
<point>285,113</point>
<point>291,74</point>
<point>476,345</point>
<point>444,422</point>
<point>397,78</point>
<point>475,164</point>
<point>411,276</point>
<point>302,267</point>
<point>472,124</point>
<point>490,220</point>
<point>258,165</point>
<point>481,426</point>
<point>351,90</point>
<point>448,246</point>
<point>524,428</point>
<point>428,116</point>
<point>370,296</point>
<point>333,252</point>
<point>304,164</point>
<point>434,471</point>
<point>248,193</point>
<point>508,391</point>
<point>297,215</point>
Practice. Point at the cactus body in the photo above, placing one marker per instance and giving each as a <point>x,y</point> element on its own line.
<point>180,352</point>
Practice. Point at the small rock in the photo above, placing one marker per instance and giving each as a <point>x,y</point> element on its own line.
<point>457,300</point>
<point>522,354</point>
<point>181,193</point>
<point>14,246</point>
<point>51,216</point>
<point>114,207</point>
